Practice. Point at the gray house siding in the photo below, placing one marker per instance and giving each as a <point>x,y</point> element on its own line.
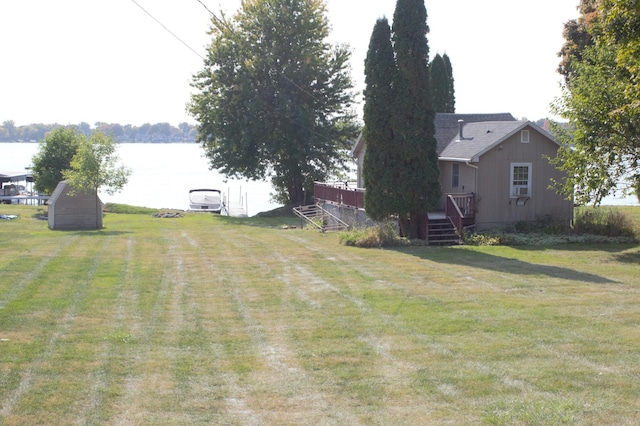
<point>485,148</point>
<point>495,201</point>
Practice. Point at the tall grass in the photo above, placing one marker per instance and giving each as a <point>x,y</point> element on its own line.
<point>590,226</point>
<point>606,221</point>
<point>383,235</point>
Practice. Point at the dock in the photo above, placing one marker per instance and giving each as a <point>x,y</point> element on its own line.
<point>17,188</point>
<point>236,207</point>
<point>236,210</point>
<point>24,199</point>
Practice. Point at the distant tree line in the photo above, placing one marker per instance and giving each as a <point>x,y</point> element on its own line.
<point>155,133</point>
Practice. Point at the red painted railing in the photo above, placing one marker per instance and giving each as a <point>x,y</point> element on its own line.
<point>460,209</point>
<point>339,193</point>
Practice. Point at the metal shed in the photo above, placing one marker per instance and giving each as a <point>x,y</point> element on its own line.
<point>82,210</point>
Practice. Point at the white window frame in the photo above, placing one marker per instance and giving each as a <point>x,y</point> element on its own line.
<point>524,136</point>
<point>520,188</point>
<point>455,175</point>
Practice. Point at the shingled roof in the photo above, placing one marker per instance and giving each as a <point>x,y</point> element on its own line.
<point>447,125</point>
<point>478,138</point>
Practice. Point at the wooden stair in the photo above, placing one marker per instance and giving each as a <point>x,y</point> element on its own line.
<point>442,232</point>
<point>319,218</point>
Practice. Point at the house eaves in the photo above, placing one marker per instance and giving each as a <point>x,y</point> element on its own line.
<point>455,159</point>
<point>357,146</point>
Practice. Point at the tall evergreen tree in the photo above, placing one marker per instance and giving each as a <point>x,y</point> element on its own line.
<point>451,93</point>
<point>439,84</point>
<point>380,160</point>
<point>418,179</point>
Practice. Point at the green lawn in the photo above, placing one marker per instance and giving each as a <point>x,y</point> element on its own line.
<point>213,320</point>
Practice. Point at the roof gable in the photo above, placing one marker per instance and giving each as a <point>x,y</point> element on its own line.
<point>478,138</point>
<point>447,125</point>
<point>481,137</point>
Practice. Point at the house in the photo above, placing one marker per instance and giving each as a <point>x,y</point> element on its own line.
<point>494,170</point>
<point>74,211</point>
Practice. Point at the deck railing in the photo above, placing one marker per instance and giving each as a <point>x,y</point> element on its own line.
<point>460,209</point>
<point>344,193</point>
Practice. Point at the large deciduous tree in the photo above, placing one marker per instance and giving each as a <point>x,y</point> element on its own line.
<point>577,35</point>
<point>54,156</point>
<point>418,179</point>
<point>601,65</point>
<point>381,156</point>
<point>274,97</point>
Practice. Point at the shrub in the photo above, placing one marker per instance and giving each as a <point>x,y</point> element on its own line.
<point>591,226</point>
<point>605,222</point>
<point>495,238</point>
<point>383,235</point>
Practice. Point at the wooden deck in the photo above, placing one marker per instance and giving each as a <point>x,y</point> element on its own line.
<point>459,208</point>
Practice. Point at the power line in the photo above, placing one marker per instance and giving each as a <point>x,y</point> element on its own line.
<point>294,84</point>
<point>168,30</point>
<point>205,6</point>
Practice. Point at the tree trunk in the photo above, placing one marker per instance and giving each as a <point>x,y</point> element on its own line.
<point>296,195</point>
<point>414,226</point>
<point>405,230</point>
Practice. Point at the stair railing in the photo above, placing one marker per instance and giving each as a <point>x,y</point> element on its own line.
<point>453,212</point>
<point>318,217</point>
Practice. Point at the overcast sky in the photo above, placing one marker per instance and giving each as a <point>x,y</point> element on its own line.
<point>68,61</point>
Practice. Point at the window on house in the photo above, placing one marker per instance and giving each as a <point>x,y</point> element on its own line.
<point>520,180</point>
<point>455,175</point>
<point>524,136</point>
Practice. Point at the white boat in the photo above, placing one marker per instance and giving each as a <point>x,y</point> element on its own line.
<point>205,200</point>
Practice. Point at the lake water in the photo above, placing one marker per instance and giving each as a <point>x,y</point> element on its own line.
<point>162,175</point>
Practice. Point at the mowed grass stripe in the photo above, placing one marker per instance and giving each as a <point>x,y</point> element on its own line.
<point>186,382</point>
<point>214,320</point>
<point>240,342</point>
<point>282,389</point>
<point>443,332</point>
<point>383,341</point>
<point>337,316</point>
<point>48,378</point>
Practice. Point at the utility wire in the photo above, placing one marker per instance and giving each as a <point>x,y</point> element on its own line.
<point>168,30</point>
<point>205,6</point>
<point>301,89</point>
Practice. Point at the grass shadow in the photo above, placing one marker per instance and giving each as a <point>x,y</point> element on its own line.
<point>92,232</point>
<point>461,256</point>
<point>259,222</point>
<point>632,257</point>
